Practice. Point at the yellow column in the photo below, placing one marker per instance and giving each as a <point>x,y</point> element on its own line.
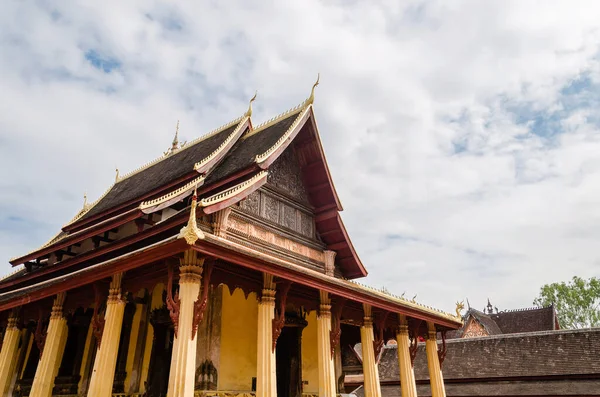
<point>8,355</point>
<point>370,370</point>
<point>54,347</point>
<point>407,373</point>
<point>433,363</point>
<point>266,378</point>
<point>103,374</point>
<point>327,382</point>
<point>183,359</point>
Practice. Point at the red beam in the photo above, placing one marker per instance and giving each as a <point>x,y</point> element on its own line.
<point>106,270</point>
<point>314,282</point>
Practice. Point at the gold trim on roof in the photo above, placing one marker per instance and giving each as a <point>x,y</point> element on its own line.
<point>86,209</point>
<point>406,302</point>
<point>232,191</point>
<point>56,238</point>
<point>164,198</point>
<point>262,157</point>
<point>219,149</point>
<point>274,120</point>
<point>297,109</point>
<point>16,270</point>
<point>188,145</point>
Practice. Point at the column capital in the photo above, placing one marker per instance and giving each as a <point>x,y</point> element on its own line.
<point>13,320</point>
<point>431,331</point>
<point>57,306</point>
<point>368,317</point>
<point>114,290</point>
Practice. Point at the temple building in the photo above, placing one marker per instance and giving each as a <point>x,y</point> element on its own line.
<point>222,268</point>
<point>491,322</point>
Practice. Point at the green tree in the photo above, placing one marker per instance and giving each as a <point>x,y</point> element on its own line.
<point>577,302</point>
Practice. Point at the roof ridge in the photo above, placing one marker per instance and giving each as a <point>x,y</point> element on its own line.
<point>15,270</point>
<point>263,156</point>
<point>188,145</point>
<point>223,144</point>
<point>165,197</point>
<point>524,309</point>
<point>229,192</point>
<point>52,240</point>
<point>401,299</point>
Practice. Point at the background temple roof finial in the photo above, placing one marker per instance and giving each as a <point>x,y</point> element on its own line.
<point>175,143</point>
<point>249,111</point>
<point>490,308</point>
<point>311,98</point>
<point>116,175</point>
<point>85,203</point>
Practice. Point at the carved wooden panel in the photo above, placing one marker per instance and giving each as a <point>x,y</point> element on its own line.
<point>474,330</point>
<point>252,231</point>
<point>285,174</point>
<point>274,208</point>
<point>252,203</point>
<point>270,208</point>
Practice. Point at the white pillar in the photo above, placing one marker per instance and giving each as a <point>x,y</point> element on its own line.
<point>370,370</point>
<point>407,373</point>
<point>433,363</point>
<point>327,382</point>
<point>8,355</point>
<point>52,354</point>
<point>183,358</point>
<point>266,378</point>
<point>103,374</point>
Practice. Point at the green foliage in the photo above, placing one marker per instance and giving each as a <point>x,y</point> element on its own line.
<point>577,302</point>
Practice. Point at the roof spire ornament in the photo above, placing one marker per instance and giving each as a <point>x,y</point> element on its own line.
<point>175,144</point>
<point>490,308</point>
<point>190,232</point>
<point>85,203</point>
<point>116,174</point>
<point>249,111</point>
<point>311,98</point>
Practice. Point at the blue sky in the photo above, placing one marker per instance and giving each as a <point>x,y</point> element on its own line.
<point>463,137</point>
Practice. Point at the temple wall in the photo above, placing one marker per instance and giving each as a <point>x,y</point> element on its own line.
<point>237,360</point>
<point>310,367</point>
<point>209,340</point>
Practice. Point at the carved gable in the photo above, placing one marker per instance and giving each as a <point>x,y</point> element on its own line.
<point>284,200</point>
<point>474,329</point>
<point>285,175</point>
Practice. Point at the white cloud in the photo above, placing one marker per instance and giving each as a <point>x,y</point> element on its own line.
<point>448,193</point>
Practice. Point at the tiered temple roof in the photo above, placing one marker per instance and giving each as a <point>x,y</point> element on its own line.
<point>224,167</point>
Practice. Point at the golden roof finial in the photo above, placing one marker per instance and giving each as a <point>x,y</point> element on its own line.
<point>116,175</point>
<point>175,143</point>
<point>190,232</point>
<point>249,111</point>
<point>85,203</point>
<point>311,98</point>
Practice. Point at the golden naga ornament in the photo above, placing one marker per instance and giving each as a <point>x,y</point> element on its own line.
<point>249,111</point>
<point>190,232</point>
<point>459,308</point>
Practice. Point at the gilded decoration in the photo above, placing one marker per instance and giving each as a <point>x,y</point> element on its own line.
<point>459,308</point>
<point>255,232</point>
<point>190,232</point>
